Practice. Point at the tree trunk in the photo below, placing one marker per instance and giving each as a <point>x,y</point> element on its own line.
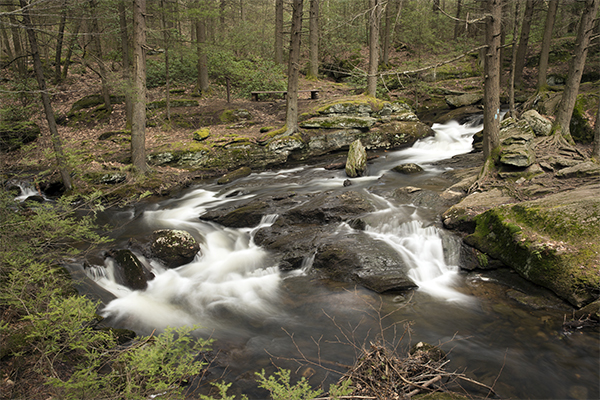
<point>202,60</point>
<point>545,53</point>
<point>569,96</point>
<point>523,41</point>
<point>71,45</point>
<point>513,66</point>
<point>126,64</point>
<point>48,111</point>
<point>166,40</point>
<point>291,116</point>
<point>596,150</point>
<point>98,55</point>
<point>491,95</point>
<point>374,20</point>
<point>313,39</point>
<point>457,23</point>
<point>387,33</point>
<point>19,52</point>
<point>279,31</point>
<point>138,125</point>
<point>59,43</point>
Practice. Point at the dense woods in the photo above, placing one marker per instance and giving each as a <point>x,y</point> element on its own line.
<point>397,50</point>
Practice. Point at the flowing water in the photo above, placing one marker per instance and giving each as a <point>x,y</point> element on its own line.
<point>261,316</point>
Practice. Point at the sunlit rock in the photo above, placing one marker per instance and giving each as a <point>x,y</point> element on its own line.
<point>174,247</point>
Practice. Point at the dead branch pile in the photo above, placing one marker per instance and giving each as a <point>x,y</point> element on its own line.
<point>381,374</point>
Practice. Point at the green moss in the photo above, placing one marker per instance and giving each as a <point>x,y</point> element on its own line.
<point>266,129</point>
<point>227,116</point>
<point>580,127</point>
<point>201,134</point>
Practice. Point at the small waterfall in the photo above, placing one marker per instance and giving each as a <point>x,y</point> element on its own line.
<point>27,190</point>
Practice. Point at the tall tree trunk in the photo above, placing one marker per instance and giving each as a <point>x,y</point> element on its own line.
<point>374,20</point>
<point>126,64</point>
<point>523,41</point>
<point>279,31</point>
<point>560,128</point>
<point>491,94</point>
<point>166,40</point>
<point>70,46</point>
<point>138,126</point>
<point>545,53</point>
<point>313,39</point>
<point>202,60</point>
<point>48,111</point>
<point>596,150</point>
<point>59,43</point>
<point>291,115</point>
<point>6,42</point>
<point>513,64</point>
<point>387,33</point>
<point>457,23</point>
<point>19,52</point>
<point>96,45</point>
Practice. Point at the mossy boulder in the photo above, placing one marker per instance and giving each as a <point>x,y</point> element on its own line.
<point>229,116</point>
<point>13,135</point>
<point>339,122</point>
<point>174,247</point>
<point>93,100</point>
<point>580,126</point>
<point>201,134</point>
<point>552,241</point>
<point>232,176</point>
<point>408,168</point>
<point>135,275</point>
<point>173,103</point>
<point>356,164</point>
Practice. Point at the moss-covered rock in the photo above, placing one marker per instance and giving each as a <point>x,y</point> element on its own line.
<point>173,103</point>
<point>13,135</point>
<point>201,134</point>
<point>94,100</point>
<point>552,241</point>
<point>232,176</point>
<point>174,247</point>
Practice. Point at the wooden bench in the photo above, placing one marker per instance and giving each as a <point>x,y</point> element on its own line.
<point>314,93</point>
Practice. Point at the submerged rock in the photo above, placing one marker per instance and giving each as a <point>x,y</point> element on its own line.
<point>174,247</point>
<point>408,169</point>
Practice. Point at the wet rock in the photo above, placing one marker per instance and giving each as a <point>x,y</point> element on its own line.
<point>174,247</point>
<point>232,176</point>
<point>591,311</point>
<point>135,275</point>
<point>356,165</point>
<point>246,216</point>
<point>330,207</point>
<point>408,169</point>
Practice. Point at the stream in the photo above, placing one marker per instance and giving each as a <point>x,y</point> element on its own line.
<point>261,316</point>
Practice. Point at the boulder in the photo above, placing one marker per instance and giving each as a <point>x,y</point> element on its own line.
<point>540,125</point>
<point>246,216</point>
<point>356,164</point>
<point>329,207</point>
<point>584,169</point>
<point>516,144</point>
<point>463,100</point>
<point>135,275</point>
<point>339,122</point>
<point>551,241</point>
<point>408,169</point>
<point>232,176</point>
<point>174,247</point>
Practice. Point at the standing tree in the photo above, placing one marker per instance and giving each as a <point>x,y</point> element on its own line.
<point>279,31</point>
<point>313,39</point>
<point>374,21</point>
<point>523,41</point>
<point>491,95</point>
<point>560,127</point>
<point>202,58</point>
<point>545,53</point>
<point>48,111</point>
<point>138,122</point>
<point>126,63</point>
<point>291,115</point>
<point>513,65</point>
<point>97,54</point>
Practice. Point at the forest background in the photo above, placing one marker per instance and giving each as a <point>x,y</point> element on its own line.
<point>121,56</point>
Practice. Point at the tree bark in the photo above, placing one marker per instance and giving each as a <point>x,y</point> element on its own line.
<point>374,21</point>
<point>138,125</point>
<point>291,116</point>
<point>569,96</point>
<point>279,31</point>
<point>202,60</point>
<point>71,45</point>
<point>48,111</point>
<point>19,52</point>
<point>96,45</point>
<point>166,41</point>
<point>387,34</point>
<point>313,39</point>
<point>59,43</point>
<point>545,53</point>
<point>457,23</point>
<point>491,96</point>
<point>513,66</point>
<point>523,41</point>
<point>126,64</point>
<point>596,150</point>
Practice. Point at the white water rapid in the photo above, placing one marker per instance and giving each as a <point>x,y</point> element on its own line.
<point>235,278</point>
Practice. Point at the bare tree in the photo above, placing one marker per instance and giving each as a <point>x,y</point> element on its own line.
<point>313,39</point>
<point>491,99</point>
<point>513,64</point>
<point>138,125</point>
<point>97,54</point>
<point>48,111</point>
<point>560,127</point>
<point>545,53</point>
<point>126,63</point>
<point>279,31</point>
<point>291,116</point>
<point>523,41</point>
<point>374,21</point>
<point>202,58</point>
